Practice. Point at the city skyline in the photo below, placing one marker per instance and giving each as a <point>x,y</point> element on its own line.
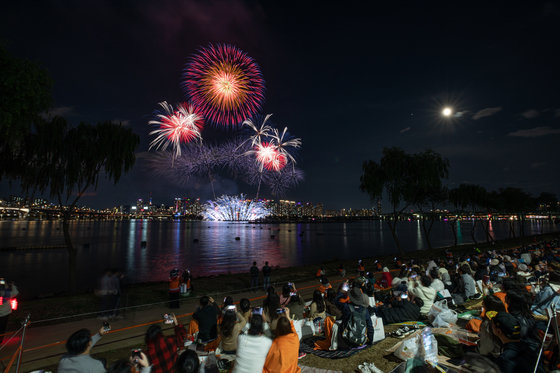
<point>349,80</point>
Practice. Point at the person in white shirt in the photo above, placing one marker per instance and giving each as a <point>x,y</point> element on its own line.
<point>423,291</point>
<point>252,348</point>
<point>436,284</point>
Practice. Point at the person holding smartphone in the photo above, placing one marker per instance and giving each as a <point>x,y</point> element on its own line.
<point>283,354</point>
<point>78,347</point>
<point>232,324</point>
<point>162,350</point>
<point>252,347</point>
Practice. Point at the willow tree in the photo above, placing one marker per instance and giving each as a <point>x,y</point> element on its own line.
<point>65,162</point>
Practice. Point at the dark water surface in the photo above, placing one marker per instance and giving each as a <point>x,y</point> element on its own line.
<point>117,244</point>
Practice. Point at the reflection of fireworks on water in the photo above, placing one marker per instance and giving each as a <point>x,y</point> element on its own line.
<point>175,127</point>
<point>234,208</point>
<point>225,83</point>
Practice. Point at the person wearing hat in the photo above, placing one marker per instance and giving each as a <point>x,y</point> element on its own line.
<point>549,296</point>
<point>515,356</point>
<point>359,302</point>
<point>325,285</point>
<point>400,308</point>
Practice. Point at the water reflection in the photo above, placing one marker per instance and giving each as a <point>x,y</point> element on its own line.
<point>170,244</point>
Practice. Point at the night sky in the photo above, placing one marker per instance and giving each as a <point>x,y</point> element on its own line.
<point>346,78</point>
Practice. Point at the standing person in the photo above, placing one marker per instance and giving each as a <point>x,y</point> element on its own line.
<point>266,270</point>
<point>174,288</point>
<point>104,292</point>
<point>254,271</point>
<point>162,350</point>
<point>7,293</point>
<point>186,280</point>
<point>116,286</point>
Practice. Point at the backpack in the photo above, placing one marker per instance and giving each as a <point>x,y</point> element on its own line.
<point>355,332</point>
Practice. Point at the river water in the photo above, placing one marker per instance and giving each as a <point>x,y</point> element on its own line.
<point>169,244</point>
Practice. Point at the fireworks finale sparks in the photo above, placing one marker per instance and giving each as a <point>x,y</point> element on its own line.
<point>234,208</point>
<point>175,127</point>
<point>225,83</point>
<point>268,157</point>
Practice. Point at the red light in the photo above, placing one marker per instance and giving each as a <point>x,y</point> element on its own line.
<point>14,304</point>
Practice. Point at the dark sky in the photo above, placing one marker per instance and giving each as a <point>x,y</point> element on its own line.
<point>349,78</point>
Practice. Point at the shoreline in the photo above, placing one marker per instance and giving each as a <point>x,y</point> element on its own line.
<point>137,294</point>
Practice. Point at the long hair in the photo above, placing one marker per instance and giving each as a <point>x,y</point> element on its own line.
<point>331,295</point>
<point>272,305</point>
<point>228,322</point>
<point>319,301</point>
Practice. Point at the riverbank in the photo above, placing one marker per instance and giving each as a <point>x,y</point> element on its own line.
<point>146,295</point>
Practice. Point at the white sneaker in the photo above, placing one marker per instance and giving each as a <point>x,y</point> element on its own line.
<point>373,368</point>
<point>363,368</point>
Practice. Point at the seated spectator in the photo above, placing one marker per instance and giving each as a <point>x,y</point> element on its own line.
<point>549,296</point>
<point>386,278</point>
<point>188,362</point>
<point>324,285</point>
<point>296,306</point>
<point>331,306</point>
<point>284,351</point>
<point>317,307</point>
<point>371,278</point>
<point>488,343</point>
<point>519,306</point>
<point>162,350</point>
<point>436,284</point>
<point>140,364</point>
<point>270,310</point>
<point>286,291</point>
<point>245,308</point>
<point>444,276</point>
<point>515,356</point>
<point>399,309</point>
<point>356,308</point>
<point>253,347</point>
<point>421,289</point>
<point>207,317</point>
<point>77,358</point>
<point>232,324</point>
<point>466,287</point>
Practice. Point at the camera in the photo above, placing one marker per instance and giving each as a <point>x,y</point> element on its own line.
<point>106,326</point>
<point>167,319</point>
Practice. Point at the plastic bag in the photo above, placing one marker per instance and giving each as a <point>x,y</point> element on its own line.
<point>408,348</point>
<point>445,319</point>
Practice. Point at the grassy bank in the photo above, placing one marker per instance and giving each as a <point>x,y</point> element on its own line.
<point>139,294</point>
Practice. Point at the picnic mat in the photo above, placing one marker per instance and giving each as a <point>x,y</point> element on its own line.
<point>306,345</point>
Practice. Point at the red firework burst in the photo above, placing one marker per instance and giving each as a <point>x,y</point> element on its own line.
<point>225,83</point>
<point>269,157</point>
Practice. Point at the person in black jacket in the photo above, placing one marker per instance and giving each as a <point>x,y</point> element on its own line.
<point>207,317</point>
<point>359,303</point>
<point>254,272</point>
<point>266,270</point>
<point>399,309</point>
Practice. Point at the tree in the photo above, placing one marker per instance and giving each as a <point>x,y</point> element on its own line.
<point>66,161</point>
<point>516,202</point>
<point>427,191</point>
<point>404,179</point>
<point>25,92</point>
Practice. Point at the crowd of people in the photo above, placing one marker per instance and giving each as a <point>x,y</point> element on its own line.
<point>516,290</point>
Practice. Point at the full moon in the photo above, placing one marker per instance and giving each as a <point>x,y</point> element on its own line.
<point>447,112</point>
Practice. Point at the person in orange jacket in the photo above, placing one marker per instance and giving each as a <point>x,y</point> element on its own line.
<point>174,288</point>
<point>284,352</point>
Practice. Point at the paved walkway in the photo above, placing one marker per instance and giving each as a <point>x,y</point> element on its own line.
<point>45,344</point>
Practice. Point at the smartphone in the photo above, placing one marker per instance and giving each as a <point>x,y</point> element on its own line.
<point>106,326</point>
<point>136,354</point>
<point>258,310</point>
<point>345,287</point>
<point>468,259</point>
<point>231,308</point>
<point>280,311</point>
<point>404,296</point>
<point>167,319</point>
<point>292,294</point>
<point>413,276</point>
<point>2,282</point>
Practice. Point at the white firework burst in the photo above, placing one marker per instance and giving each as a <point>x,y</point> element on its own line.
<point>234,208</point>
